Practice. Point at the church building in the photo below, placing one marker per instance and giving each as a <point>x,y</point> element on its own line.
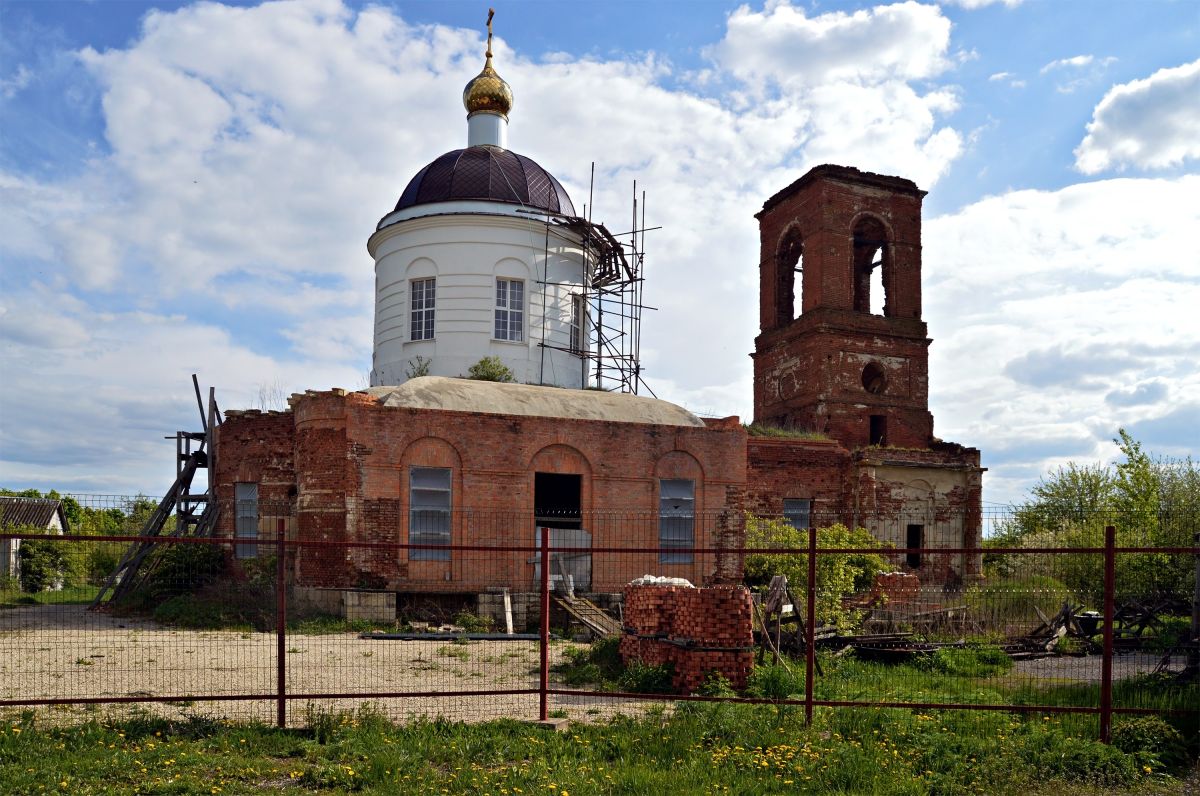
<point>484,255</point>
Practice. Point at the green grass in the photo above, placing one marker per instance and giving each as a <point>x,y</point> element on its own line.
<point>699,749</point>
<point>68,595</point>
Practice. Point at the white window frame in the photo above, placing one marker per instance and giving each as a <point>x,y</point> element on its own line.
<point>509,323</point>
<point>429,501</point>
<point>423,307</point>
<point>245,523</point>
<point>797,512</point>
<point>676,519</point>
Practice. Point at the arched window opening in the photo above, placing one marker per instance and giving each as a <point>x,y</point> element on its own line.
<point>871,267</point>
<point>788,263</point>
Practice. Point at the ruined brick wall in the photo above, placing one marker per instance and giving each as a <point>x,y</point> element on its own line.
<point>255,447</point>
<point>696,630</point>
<point>884,490</point>
<point>355,458</point>
<point>779,468</point>
<point>937,493</point>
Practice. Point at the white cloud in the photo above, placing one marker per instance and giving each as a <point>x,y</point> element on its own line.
<point>853,74</point>
<point>1077,71</point>
<point>11,86</point>
<point>974,4</point>
<point>783,46</point>
<point>1076,62</point>
<point>1059,316</point>
<point>1152,123</point>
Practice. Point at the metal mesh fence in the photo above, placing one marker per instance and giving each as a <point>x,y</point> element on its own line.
<point>295,606</point>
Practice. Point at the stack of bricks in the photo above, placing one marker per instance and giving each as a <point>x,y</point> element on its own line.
<point>897,587</point>
<point>697,631</point>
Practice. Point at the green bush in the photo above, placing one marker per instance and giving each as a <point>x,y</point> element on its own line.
<point>183,568</point>
<point>837,574</point>
<point>639,678</point>
<point>716,685</point>
<point>969,661</point>
<point>599,664</point>
<point>491,369</point>
<point>44,565</point>
<point>1150,739</point>
<point>775,682</point>
<point>1079,760</point>
<point>473,623</point>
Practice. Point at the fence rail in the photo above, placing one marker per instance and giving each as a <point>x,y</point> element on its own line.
<point>288,626</point>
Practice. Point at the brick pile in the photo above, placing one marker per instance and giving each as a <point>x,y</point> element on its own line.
<point>695,630</point>
<point>897,587</point>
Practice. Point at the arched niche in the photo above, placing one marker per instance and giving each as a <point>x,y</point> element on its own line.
<point>421,268</point>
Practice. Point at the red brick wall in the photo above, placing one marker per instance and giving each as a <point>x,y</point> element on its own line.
<point>255,447</point>
<point>355,456</point>
<point>778,468</point>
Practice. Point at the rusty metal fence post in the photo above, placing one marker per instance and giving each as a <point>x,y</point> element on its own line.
<point>1110,583</point>
<point>544,640</point>
<point>810,629</point>
<point>280,627</point>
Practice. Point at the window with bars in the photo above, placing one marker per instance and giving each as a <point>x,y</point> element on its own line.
<point>676,520</point>
<point>578,325</point>
<point>429,512</point>
<point>510,310</point>
<point>797,512</point>
<point>245,496</point>
<point>423,296</point>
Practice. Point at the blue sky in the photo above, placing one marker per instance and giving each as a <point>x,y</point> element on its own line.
<point>189,187</point>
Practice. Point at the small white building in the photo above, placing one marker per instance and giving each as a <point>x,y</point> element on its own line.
<point>483,256</point>
<point>18,514</point>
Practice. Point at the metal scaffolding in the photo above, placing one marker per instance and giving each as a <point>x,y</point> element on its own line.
<point>612,280</point>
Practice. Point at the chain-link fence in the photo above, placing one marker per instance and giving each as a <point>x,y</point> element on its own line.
<point>425,611</point>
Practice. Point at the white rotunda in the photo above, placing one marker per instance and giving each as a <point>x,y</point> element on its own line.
<point>483,256</point>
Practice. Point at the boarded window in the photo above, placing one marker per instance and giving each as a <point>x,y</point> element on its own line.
<point>676,520</point>
<point>245,496</point>
<point>510,310</point>
<point>429,512</point>
<point>424,294</point>
<point>797,512</point>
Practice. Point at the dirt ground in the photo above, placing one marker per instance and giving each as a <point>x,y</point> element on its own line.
<point>65,651</point>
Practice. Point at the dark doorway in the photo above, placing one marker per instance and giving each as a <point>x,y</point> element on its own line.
<point>916,538</point>
<point>557,509</point>
<point>878,430</point>
<point>556,500</point>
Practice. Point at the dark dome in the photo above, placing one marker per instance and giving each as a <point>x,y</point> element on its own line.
<point>490,174</point>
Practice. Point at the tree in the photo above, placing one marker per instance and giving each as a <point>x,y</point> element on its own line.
<point>838,574</point>
<point>1151,501</point>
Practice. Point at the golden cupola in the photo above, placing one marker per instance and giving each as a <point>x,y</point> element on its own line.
<point>487,92</point>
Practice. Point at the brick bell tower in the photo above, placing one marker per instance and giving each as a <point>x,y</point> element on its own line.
<point>846,361</point>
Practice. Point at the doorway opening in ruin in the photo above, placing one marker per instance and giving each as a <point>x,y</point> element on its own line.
<point>556,500</point>
<point>557,507</point>
<point>915,538</point>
